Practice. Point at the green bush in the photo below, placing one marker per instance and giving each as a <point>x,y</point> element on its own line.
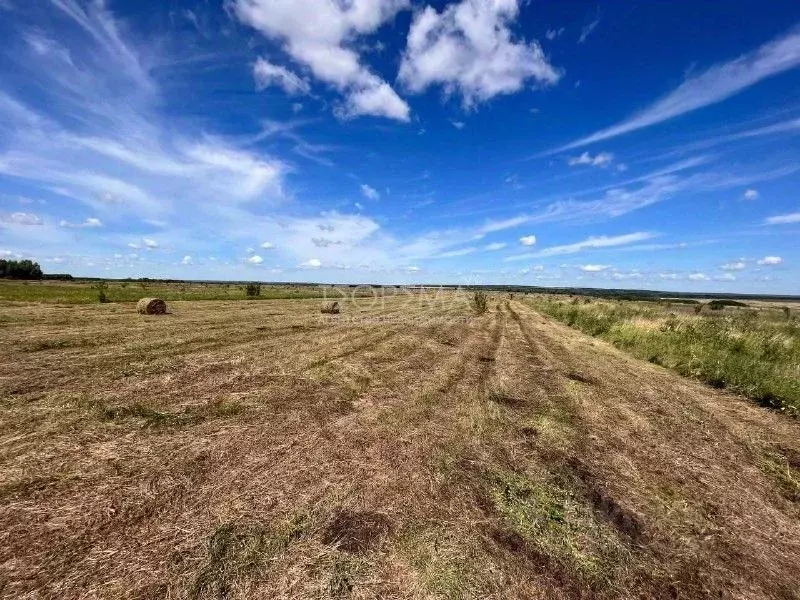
<point>253,289</point>
<point>102,289</point>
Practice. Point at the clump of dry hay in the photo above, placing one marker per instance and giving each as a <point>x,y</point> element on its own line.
<point>151,306</point>
<point>330,308</point>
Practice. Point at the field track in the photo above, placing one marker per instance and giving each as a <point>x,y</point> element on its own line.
<point>261,450</point>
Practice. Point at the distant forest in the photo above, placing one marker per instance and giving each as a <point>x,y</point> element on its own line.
<point>20,269</point>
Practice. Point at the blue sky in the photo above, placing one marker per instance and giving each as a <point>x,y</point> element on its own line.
<point>640,144</point>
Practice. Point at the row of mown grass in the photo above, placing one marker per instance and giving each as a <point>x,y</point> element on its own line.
<point>753,352</point>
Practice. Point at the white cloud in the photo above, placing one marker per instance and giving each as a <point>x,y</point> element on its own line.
<point>495,246</point>
<point>770,260</point>
<point>587,30</point>
<point>267,246</point>
<point>469,50</point>
<point>698,277</point>
<point>591,243</point>
<point>751,194</point>
<point>187,260</point>
<point>493,226</point>
<point>783,219</point>
<point>319,35</point>
<point>21,218</point>
<point>623,275</point>
<point>267,74</point>
<point>149,243</point>
<point>734,266</point>
<point>455,253</point>
<point>710,87</point>
<point>458,124</point>
<point>91,222</point>
<point>370,192</point>
<point>725,277</point>
<point>593,268</point>
<point>255,260</point>
<point>668,276</point>
<point>601,159</point>
<point>528,240</point>
<point>552,34</point>
<point>312,263</point>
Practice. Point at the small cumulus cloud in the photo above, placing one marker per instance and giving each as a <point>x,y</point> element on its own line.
<point>593,268</point>
<point>725,277</point>
<point>149,243</point>
<point>751,194</point>
<point>370,192</point>
<point>311,263</point>
<point>770,260</point>
<point>698,277</point>
<point>255,260</point>
<point>734,266</point>
<point>268,246</point>
<point>553,34</point>
<point>601,159</point>
<point>458,124</point>
<point>528,240</point>
<point>187,260</point>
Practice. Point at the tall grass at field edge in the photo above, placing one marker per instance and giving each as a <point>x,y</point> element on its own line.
<point>753,354</point>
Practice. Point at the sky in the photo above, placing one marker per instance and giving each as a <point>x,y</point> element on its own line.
<point>629,145</point>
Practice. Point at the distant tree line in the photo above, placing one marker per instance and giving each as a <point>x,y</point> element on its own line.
<point>19,269</point>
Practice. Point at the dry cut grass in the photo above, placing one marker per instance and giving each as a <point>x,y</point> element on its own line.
<point>263,450</point>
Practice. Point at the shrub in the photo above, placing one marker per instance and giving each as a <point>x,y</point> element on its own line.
<point>480,302</point>
<point>720,304</point>
<point>253,289</point>
<point>102,296</point>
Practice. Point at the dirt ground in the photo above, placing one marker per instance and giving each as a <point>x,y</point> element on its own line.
<point>262,450</point>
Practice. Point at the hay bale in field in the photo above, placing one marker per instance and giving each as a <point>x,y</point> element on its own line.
<point>151,306</point>
<point>330,308</point>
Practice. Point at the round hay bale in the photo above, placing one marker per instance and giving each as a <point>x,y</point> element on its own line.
<point>151,306</point>
<point>330,308</point>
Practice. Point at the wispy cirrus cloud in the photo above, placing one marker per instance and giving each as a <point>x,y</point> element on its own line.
<point>709,87</point>
<point>787,219</point>
<point>594,242</point>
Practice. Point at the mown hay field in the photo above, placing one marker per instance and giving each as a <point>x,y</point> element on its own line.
<point>406,448</point>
